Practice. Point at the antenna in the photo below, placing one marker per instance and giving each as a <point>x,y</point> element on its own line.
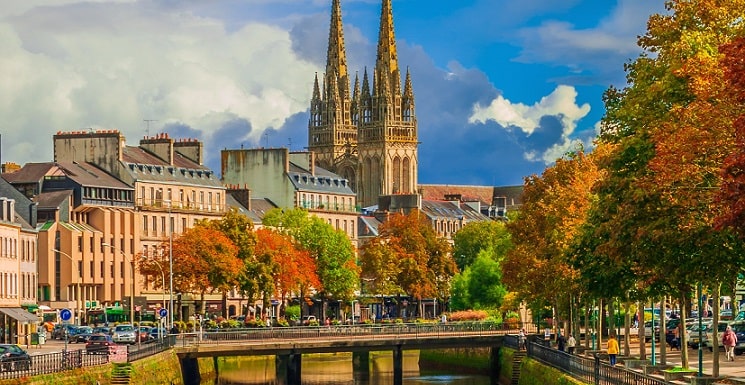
<point>289,143</point>
<point>266,139</point>
<point>147,125</point>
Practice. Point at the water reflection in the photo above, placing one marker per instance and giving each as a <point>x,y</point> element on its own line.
<point>336,369</point>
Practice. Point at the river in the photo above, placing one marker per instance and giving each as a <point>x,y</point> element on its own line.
<point>336,369</point>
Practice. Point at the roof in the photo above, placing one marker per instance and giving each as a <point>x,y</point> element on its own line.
<point>233,203</point>
<point>86,174</point>
<point>29,173</point>
<point>484,194</point>
<point>260,207</point>
<point>164,173</point>
<point>133,154</point>
<point>368,226</point>
<point>323,181</point>
<point>439,209</point>
<point>52,199</point>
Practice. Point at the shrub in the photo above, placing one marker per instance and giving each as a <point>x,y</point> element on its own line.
<point>468,315</point>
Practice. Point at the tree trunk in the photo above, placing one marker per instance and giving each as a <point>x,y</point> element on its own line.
<point>588,327</point>
<point>224,304</point>
<point>682,338</point>
<point>627,328</point>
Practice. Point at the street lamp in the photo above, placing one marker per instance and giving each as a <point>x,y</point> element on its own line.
<point>170,263</point>
<point>163,277</point>
<point>132,293</point>
<point>77,292</point>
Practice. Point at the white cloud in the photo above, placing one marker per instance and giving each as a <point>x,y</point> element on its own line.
<point>561,102</point>
<point>127,62</point>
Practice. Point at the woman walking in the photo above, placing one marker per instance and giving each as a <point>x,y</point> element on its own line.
<point>729,340</point>
<point>612,349</point>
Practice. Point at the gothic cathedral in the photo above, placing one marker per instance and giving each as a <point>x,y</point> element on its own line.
<point>368,136</point>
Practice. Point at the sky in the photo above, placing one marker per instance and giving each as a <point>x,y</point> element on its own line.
<point>502,87</point>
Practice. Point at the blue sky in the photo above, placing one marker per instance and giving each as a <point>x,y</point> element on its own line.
<point>502,87</point>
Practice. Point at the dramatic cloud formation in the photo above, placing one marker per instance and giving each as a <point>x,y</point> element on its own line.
<point>502,87</point>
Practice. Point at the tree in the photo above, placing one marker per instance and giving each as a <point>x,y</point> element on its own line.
<point>330,248</point>
<point>293,270</point>
<point>479,286</point>
<point>254,276</point>
<point>408,257</point>
<point>204,260</point>
<point>474,237</point>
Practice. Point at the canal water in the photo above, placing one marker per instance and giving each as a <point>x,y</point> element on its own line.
<point>336,369</point>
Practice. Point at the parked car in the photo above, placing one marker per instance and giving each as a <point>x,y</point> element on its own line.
<point>648,331</point>
<point>60,329</point>
<point>102,329</point>
<point>310,320</point>
<point>692,333</point>
<point>154,334</point>
<point>100,343</point>
<point>82,333</point>
<point>13,357</point>
<point>143,335</point>
<point>124,334</point>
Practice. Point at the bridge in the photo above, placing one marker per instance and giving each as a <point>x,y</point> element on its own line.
<point>289,344</point>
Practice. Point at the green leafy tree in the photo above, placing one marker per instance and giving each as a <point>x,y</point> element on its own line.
<point>331,249</point>
<point>474,237</point>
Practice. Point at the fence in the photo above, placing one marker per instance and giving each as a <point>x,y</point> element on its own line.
<point>25,366</point>
<point>587,369</point>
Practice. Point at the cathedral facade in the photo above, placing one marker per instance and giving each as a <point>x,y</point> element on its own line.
<point>366,134</point>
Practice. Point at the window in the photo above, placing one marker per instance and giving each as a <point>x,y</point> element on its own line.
<point>163,225</point>
<point>92,242</point>
<point>144,224</point>
<point>91,269</point>
<point>102,269</point>
<point>80,243</point>
<point>121,269</point>
<point>155,225</point>
<point>80,269</point>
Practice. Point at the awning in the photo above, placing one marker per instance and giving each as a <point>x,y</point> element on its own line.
<point>19,314</point>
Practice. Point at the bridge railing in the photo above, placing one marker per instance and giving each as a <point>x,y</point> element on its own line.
<point>367,331</point>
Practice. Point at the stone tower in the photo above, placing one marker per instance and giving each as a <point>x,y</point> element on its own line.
<point>369,138</point>
<point>332,134</point>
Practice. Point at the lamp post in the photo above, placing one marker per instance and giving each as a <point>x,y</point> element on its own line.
<point>170,264</point>
<point>163,277</point>
<point>132,293</point>
<point>77,291</point>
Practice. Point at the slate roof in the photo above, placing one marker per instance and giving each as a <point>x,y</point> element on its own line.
<point>484,194</point>
<point>323,181</point>
<point>164,173</point>
<point>52,199</point>
<point>439,209</point>
<point>134,154</point>
<point>86,174</point>
<point>368,226</point>
<point>29,173</point>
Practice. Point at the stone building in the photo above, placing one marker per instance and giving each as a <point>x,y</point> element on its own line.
<point>368,134</point>
<point>292,179</point>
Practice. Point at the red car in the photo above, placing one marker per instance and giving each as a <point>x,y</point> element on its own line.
<point>100,343</point>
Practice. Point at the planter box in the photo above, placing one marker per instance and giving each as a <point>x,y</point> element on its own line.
<point>635,364</point>
<point>705,380</point>
<point>650,369</point>
<point>676,375</point>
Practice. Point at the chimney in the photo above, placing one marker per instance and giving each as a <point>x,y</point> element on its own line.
<point>242,195</point>
<point>191,149</point>
<point>160,145</point>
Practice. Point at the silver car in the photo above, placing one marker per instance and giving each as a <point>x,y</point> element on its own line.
<point>124,334</point>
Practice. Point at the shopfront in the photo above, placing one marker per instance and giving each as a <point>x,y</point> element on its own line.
<point>17,325</point>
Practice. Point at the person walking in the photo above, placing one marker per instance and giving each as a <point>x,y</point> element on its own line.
<point>729,340</point>
<point>571,343</point>
<point>521,345</point>
<point>612,349</point>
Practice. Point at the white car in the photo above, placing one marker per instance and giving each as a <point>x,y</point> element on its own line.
<point>708,335</point>
<point>124,334</point>
<point>692,333</point>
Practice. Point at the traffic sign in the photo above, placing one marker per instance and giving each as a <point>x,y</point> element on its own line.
<point>163,312</point>
<point>65,314</point>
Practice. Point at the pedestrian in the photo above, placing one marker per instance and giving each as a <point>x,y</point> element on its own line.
<point>729,340</point>
<point>561,342</point>
<point>571,343</point>
<point>612,349</point>
<point>521,340</point>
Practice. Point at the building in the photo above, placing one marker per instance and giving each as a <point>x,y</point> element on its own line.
<point>367,135</point>
<point>18,258</point>
<point>292,179</point>
<point>493,202</point>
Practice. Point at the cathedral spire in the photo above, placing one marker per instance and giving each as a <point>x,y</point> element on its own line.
<point>336,57</point>
<point>316,89</point>
<point>386,64</point>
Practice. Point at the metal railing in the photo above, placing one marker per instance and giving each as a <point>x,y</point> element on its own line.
<point>151,348</point>
<point>588,369</point>
<point>48,363</point>
<point>367,331</point>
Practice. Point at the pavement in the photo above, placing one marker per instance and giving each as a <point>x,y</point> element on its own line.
<point>734,368</point>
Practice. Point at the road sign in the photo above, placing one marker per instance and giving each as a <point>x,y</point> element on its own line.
<point>163,312</point>
<point>65,314</point>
